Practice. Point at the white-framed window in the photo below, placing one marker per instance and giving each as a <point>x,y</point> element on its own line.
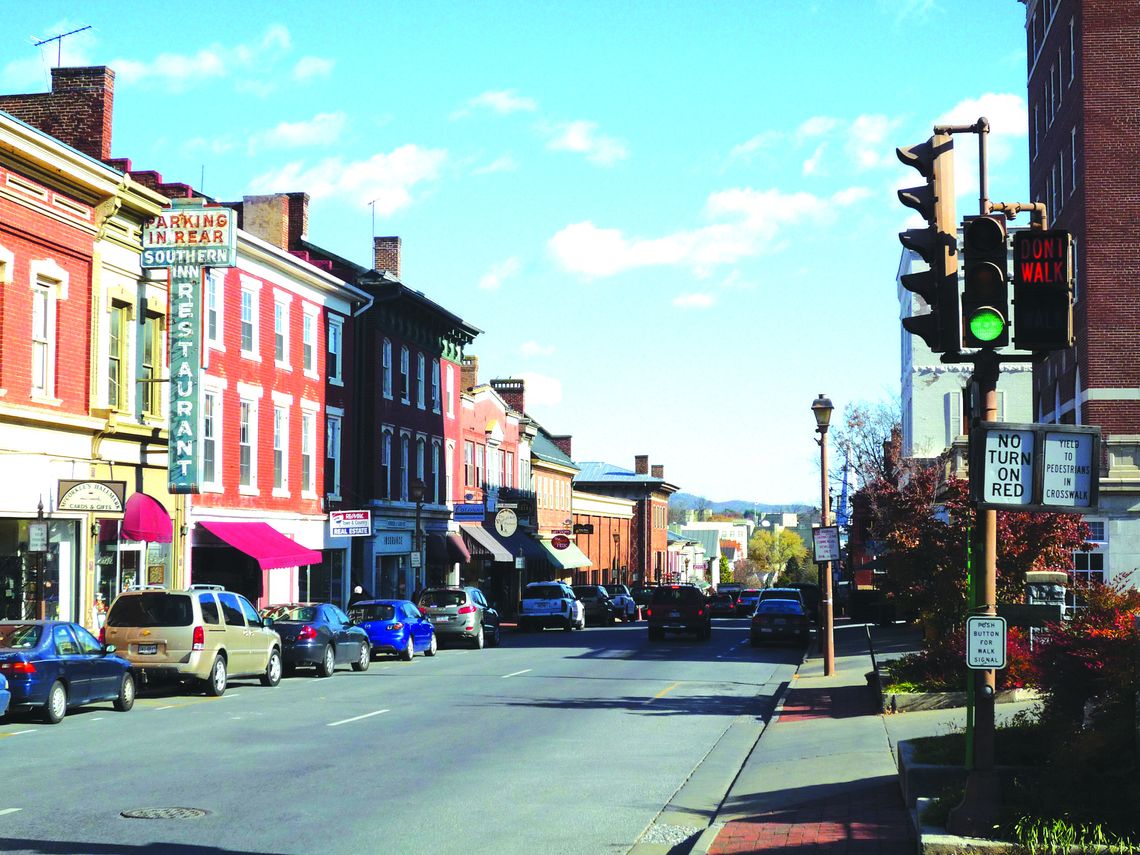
<point>215,300</point>
<point>435,385</point>
<point>308,452</point>
<point>1073,156</point>
<point>212,466</point>
<point>468,463</point>
<point>386,462</point>
<point>1036,129</point>
<point>333,420</point>
<point>436,454</point>
<point>386,367</point>
<point>280,450</point>
<point>49,284</point>
<point>247,444</point>
<point>480,465</point>
<point>449,476</point>
<point>450,391</point>
<point>334,367</point>
<point>508,469</point>
<point>405,379</point>
<point>150,365</point>
<point>1061,176</point>
<point>421,459</point>
<point>249,294</point>
<point>1072,49</point>
<point>281,303</point>
<point>1060,77</point>
<point>1090,566</point>
<point>118,355</point>
<point>405,453</point>
<point>309,319</point>
<point>7,262</point>
<point>421,381</point>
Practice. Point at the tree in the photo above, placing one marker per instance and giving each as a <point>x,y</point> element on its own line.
<point>724,570</point>
<point>800,570</point>
<point>773,550</point>
<point>869,435</point>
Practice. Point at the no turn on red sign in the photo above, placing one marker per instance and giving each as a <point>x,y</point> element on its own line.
<point>1035,467</point>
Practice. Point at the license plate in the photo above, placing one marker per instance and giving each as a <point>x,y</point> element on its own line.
<point>674,614</point>
<point>440,619</point>
<point>148,648</point>
<point>765,629</point>
<point>779,621</point>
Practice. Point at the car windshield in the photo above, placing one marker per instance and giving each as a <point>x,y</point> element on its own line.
<point>772,606</point>
<point>752,592</point>
<point>443,597</point>
<point>303,614</point>
<point>678,594</point>
<point>375,611</point>
<point>544,592</point>
<point>151,609</point>
<point>20,636</point>
<point>780,594</point>
<point>723,598</point>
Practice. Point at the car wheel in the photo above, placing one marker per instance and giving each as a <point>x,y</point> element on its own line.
<point>272,675</point>
<point>328,663</point>
<point>409,651</point>
<point>56,707</point>
<point>364,659</point>
<point>569,625</point>
<point>433,647</point>
<point>497,638</point>
<point>216,682</point>
<point>126,698</point>
<point>477,641</point>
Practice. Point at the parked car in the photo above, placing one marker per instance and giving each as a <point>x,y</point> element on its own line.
<point>318,635</point>
<point>550,604</point>
<point>746,602</point>
<point>5,695</point>
<point>596,601</point>
<point>463,614</point>
<point>678,608</point>
<point>642,594</point>
<point>733,589</point>
<point>625,607</point>
<point>782,594</point>
<point>722,605</point>
<point>779,620</point>
<point>54,666</point>
<point>396,626</point>
<point>811,597</point>
<point>204,634</point>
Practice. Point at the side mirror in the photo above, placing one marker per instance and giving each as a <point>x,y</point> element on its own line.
<point>108,648</point>
<point>267,622</point>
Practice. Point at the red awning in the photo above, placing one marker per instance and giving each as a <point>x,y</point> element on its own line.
<point>145,519</point>
<point>264,543</point>
<point>457,549</point>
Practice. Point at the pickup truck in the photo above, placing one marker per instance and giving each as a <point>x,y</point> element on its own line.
<point>550,604</point>
<point>678,608</point>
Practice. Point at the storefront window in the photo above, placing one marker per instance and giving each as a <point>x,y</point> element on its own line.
<point>122,564</point>
<point>23,574</point>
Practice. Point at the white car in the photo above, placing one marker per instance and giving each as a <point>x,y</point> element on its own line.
<point>550,604</point>
<point>624,606</point>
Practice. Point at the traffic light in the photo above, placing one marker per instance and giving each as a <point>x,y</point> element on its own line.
<point>937,244</point>
<point>985,289</point>
<point>1042,289</point>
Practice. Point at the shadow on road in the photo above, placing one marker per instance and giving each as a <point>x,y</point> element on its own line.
<point>68,847</point>
<point>757,706</point>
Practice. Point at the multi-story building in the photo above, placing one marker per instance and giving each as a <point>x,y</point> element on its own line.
<point>604,525</point>
<point>1084,164</point>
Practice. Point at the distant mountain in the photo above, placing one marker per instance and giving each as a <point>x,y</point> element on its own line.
<point>690,501</point>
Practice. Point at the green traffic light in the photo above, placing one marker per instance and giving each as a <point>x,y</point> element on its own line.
<point>987,324</point>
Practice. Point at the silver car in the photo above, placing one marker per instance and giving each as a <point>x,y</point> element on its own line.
<point>463,614</point>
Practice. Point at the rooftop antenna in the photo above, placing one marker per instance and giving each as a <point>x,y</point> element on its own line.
<point>372,205</point>
<point>59,43</point>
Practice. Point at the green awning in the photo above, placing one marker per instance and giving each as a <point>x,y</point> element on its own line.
<point>570,558</point>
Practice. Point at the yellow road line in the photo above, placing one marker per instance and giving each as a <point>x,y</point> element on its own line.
<point>663,692</point>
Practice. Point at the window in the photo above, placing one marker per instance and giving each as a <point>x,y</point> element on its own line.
<point>386,365</point>
<point>450,391</point>
<point>421,459</point>
<point>231,609</point>
<point>435,385</point>
<point>247,437</point>
<point>1090,566</point>
<point>421,381</point>
<point>150,390</point>
<point>405,451</point>
<point>309,342</point>
<point>1061,175</point>
<point>468,464</point>
<point>117,357</point>
<point>211,409</point>
<point>280,448</point>
<point>508,468</point>
<point>435,455</point>
<point>43,340</point>
<point>335,328</point>
<point>405,380</point>
<point>332,453</point>
<point>1072,49</point>
<point>480,454</point>
<point>281,333</point>
<point>308,448</point>
<point>248,322</point>
<point>1060,77</point>
<point>449,475</point>
<point>209,608</point>
<point>386,463</point>
<point>1035,130</point>
<point>1073,159</point>
<point>214,301</point>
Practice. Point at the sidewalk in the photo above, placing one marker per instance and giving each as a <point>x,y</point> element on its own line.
<point>822,778</point>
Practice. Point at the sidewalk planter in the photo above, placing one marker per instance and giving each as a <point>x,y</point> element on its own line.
<point>930,780</point>
<point>936,841</point>
<point>897,702</point>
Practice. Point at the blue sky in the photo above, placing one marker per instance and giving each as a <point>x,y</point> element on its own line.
<point>676,220</point>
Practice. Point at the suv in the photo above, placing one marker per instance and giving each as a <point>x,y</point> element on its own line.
<point>550,604</point>
<point>624,606</point>
<point>746,601</point>
<point>782,594</point>
<point>461,613</point>
<point>596,601</point>
<point>680,608</point>
<point>204,633</point>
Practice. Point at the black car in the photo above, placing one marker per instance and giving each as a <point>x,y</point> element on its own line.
<point>596,601</point>
<point>642,594</point>
<point>679,608</point>
<point>318,635</point>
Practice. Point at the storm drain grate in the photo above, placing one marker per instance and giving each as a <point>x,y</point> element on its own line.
<point>165,813</point>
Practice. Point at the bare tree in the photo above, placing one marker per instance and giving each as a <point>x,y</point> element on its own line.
<point>869,436</point>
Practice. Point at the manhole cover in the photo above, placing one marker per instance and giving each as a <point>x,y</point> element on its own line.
<point>165,813</point>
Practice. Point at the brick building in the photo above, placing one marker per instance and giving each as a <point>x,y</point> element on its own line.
<point>1084,152</point>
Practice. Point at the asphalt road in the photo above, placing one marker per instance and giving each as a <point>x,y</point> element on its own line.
<point>555,743</point>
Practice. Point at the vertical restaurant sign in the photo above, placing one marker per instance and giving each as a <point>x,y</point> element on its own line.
<point>186,238</point>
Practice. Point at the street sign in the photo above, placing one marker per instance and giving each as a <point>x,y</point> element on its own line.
<point>415,560</point>
<point>350,523</point>
<point>1007,466</point>
<point>1042,289</point>
<point>985,642</point>
<point>469,512</point>
<point>1035,467</point>
<point>560,541</point>
<point>37,537</point>
<point>1067,470</point>
<point>825,542</point>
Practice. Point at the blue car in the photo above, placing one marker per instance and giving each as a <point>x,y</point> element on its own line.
<point>318,635</point>
<point>54,666</point>
<point>395,626</point>
<point>5,695</point>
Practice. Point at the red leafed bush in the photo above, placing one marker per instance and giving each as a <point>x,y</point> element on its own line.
<point>941,665</point>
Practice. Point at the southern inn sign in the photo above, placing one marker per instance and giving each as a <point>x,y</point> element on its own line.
<point>186,238</point>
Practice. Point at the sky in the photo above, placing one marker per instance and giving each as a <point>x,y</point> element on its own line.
<point>676,220</point>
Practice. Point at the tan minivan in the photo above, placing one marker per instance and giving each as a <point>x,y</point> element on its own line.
<point>204,634</point>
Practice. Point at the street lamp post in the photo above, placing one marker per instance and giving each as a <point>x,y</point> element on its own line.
<point>416,494</point>
<point>616,563</point>
<point>821,408</point>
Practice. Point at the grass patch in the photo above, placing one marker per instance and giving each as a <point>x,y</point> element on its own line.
<point>1014,745</point>
<point>1059,835</point>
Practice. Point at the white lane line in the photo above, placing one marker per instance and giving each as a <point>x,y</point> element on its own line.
<point>7,811</point>
<point>516,673</point>
<point>17,732</point>
<point>357,718</point>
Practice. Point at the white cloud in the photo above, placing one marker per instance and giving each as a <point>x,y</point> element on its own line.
<point>867,141</point>
<point>386,179</point>
<point>310,67</point>
<point>811,165</point>
<point>816,126</point>
<point>321,130</point>
<point>763,140</point>
<point>748,223</point>
<point>506,163</point>
<point>542,391</point>
<point>501,101</point>
<point>493,279</point>
<point>581,136</point>
<point>1008,114</point>
<point>533,348</point>
<point>693,301</point>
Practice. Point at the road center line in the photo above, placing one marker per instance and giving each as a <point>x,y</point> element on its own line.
<point>357,718</point>
<point>7,811</point>
<point>516,673</point>
<point>15,733</point>
<point>663,692</point>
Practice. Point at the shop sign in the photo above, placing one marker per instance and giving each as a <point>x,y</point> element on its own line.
<point>469,512</point>
<point>560,541</point>
<point>38,537</point>
<point>350,523</point>
<point>392,542</point>
<point>185,239</point>
<point>105,496</point>
<point>583,528</point>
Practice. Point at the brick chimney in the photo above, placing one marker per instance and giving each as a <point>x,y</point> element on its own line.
<point>298,218</point>
<point>512,391</point>
<point>386,255</point>
<point>267,217</point>
<point>563,442</point>
<point>658,471</point>
<point>641,464</point>
<point>77,111</point>
<point>469,373</point>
